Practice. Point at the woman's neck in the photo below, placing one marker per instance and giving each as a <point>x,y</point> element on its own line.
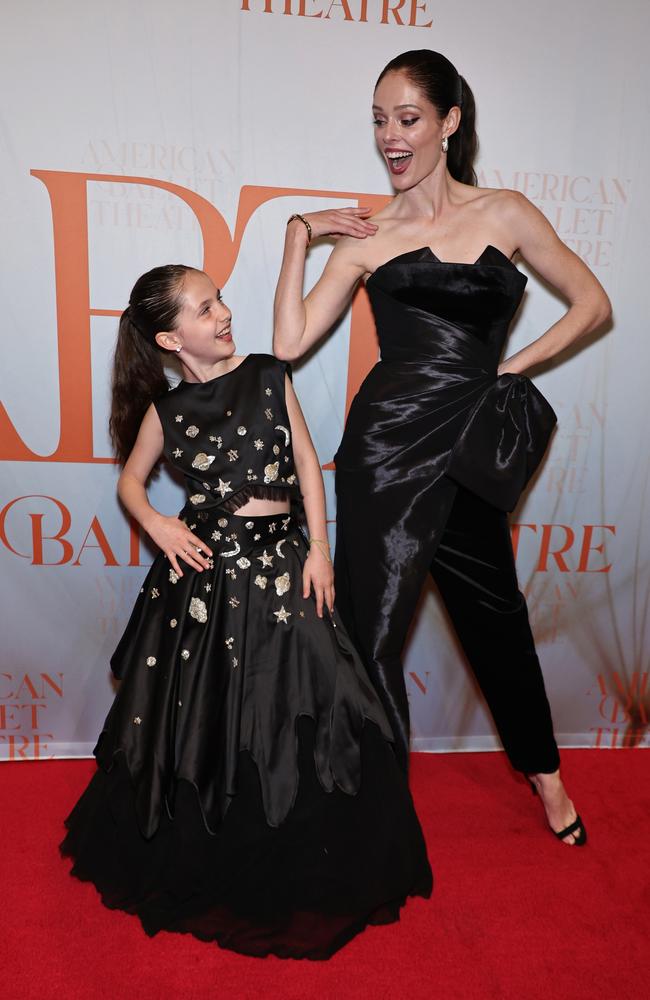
<point>430,199</point>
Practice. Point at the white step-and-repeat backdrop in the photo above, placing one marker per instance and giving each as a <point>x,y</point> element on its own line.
<point>139,133</point>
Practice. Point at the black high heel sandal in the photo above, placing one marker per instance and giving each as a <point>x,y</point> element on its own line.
<point>579,839</point>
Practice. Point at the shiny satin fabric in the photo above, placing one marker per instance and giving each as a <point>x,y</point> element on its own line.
<point>441,330</point>
<point>430,416</point>
<point>227,660</point>
<point>502,441</point>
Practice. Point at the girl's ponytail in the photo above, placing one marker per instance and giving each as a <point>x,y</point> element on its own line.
<point>138,375</point>
<point>138,378</point>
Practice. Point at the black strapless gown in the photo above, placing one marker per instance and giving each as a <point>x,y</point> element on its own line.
<point>433,427</point>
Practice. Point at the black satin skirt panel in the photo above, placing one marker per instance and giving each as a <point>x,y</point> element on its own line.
<point>247,790</point>
<point>227,660</point>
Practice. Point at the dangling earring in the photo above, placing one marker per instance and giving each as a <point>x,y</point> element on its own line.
<point>445,144</point>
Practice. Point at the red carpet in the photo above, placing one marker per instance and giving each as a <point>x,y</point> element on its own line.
<point>515,914</point>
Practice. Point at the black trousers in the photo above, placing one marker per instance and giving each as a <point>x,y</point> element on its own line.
<point>474,571</point>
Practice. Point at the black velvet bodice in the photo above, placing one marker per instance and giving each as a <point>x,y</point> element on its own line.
<point>230,436</point>
<point>433,405</point>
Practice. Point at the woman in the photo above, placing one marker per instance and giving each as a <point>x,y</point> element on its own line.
<point>441,437</point>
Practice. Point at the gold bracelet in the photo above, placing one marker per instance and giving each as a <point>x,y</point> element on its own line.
<point>319,542</point>
<point>304,222</point>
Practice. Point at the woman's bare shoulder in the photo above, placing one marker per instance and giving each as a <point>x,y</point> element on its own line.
<point>499,200</point>
<point>364,254</point>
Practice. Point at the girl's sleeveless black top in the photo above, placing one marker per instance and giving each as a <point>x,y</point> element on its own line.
<point>230,436</point>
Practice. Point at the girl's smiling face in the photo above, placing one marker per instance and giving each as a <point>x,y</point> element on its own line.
<point>203,325</point>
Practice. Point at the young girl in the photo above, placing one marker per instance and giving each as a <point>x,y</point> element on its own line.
<point>247,789</point>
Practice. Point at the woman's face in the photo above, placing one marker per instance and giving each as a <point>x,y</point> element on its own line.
<point>408,131</point>
<point>203,324</point>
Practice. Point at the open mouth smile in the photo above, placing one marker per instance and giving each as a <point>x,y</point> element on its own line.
<point>398,160</point>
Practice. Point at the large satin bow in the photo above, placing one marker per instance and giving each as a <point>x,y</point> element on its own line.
<point>503,441</point>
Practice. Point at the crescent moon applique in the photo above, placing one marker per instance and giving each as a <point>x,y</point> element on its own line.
<point>231,552</point>
<point>287,436</point>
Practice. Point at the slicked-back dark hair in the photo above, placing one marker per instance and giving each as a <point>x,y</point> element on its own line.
<point>444,87</point>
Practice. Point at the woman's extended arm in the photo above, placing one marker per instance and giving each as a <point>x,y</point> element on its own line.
<point>539,244</point>
<point>318,571</point>
<point>169,533</point>
<point>300,322</point>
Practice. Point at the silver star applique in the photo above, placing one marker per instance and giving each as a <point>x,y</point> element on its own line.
<point>282,615</point>
<point>223,488</point>
<point>266,559</point>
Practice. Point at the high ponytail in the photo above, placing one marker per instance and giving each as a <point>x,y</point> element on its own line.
<point>138,374</point>
<point>463,144</point>
<point>445,88</point>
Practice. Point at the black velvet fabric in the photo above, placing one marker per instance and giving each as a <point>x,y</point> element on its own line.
<point>430,418</point>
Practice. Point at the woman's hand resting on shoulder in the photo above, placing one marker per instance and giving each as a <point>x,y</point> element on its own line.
<point>337,222</point>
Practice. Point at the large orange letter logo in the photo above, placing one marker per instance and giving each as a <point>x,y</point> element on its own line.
<point>68,198</point>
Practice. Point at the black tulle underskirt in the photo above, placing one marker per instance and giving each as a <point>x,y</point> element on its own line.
<point>302,890</point>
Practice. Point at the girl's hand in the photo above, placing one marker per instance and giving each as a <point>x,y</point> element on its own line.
<point>319,574</point>
<point>338,222</point>
<point>176,540</point>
